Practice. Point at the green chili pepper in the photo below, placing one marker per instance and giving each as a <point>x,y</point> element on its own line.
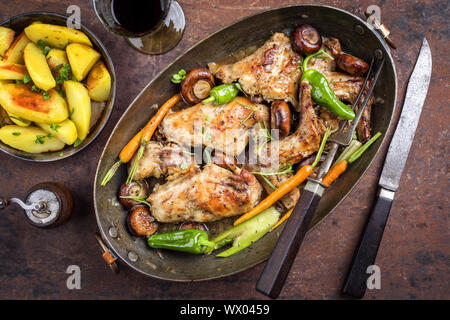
<point>321,92</point>
<point>188,240</point>
<point>246,233</point>
<point>222,94</point>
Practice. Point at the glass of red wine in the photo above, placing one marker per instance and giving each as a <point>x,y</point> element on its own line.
<point>150,26</point>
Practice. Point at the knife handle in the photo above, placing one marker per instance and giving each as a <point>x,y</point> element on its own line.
<point>366,252</point>
<point>279,264</point>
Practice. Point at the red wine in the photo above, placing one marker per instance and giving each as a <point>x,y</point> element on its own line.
<point>138,16</point>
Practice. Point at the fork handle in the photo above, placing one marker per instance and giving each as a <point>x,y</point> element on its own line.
<point>366,253</point>
<point>277,268</point>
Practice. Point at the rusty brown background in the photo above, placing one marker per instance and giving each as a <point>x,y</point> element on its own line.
<point>414,254</point>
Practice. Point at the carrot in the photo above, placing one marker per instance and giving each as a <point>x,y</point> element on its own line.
<point>140,140</point>
<point>148,131</point>
<point>341,166</point>
<point>335,172</point>
<point>284,218</point>
<point>284,189</point>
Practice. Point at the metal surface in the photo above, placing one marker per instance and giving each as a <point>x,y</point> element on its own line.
<point>223,44</point>
<point>406,127</point>
<point>18,23</point>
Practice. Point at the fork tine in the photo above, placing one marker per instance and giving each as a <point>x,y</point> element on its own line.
<point>344,138</point>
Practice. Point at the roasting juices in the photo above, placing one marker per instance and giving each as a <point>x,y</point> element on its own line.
<point>138,17</point>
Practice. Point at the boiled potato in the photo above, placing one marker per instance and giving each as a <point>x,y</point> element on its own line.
<point>12,71</point>
<point>21,122</point>
<point>56,58</point>
<point>79,105</point>
<point>65,131</point>
<point>20,100</point>
<point>6,38</point>
<point>81,59</point>
<point>30,139</point>
<point>99,82</point>
<point>15,53</point>
<point>38,68</point>
<point>55,36</point>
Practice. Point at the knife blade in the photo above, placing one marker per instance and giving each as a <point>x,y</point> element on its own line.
<point>356,282</point>
<point>406,127</point>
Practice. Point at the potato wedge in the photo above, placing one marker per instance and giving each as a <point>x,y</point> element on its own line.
<point>21,122</point>
<point>6,38</point>
<point>79,105</point>
<point>15,53</point>
<point>38,68</point>
<point>30,139</point>
<point>56,58</point>
<point>12,71</point>
<point>65,131</point>
<point>55,36</point>
<point>81,59</point>
<point>99,82</point>
<point>20,100</point>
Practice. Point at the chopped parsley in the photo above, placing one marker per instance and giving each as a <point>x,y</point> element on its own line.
<point>45,48</point>
<point>46,95</point>
<point>64,74</point>
<point>26,79</point>
<point>77,142</point>
<point>16,134</point>
<point>55,126</point>
<point>40,138</point>
<point>19,119</point>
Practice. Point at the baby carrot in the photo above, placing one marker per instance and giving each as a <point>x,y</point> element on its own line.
<point>140,140</point>
<point>335,172</point>
<point>286,187</point>
<point>341,166</point>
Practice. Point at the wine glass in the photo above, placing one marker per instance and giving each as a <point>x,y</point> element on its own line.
<point>150,26</point>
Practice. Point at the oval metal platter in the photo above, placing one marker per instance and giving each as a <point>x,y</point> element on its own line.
<point>356,37</point>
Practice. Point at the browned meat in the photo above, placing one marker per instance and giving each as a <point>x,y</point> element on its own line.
<point>161,160</point>
<point>292,149</point>
<point>205,195</point>
<point>272,71</point>
<point>225,128</point>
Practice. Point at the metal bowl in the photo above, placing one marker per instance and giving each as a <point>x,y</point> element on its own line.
<point>18,23</point>
<point>356,37</point>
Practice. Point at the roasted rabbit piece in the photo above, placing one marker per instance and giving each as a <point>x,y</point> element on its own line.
<point>272,71</point>
<point>291,149</point>
<point>161,160</point>
<point>205,195</point>
<point>225,128</point>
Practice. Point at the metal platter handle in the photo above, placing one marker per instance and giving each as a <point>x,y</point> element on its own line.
<point>109,257</point>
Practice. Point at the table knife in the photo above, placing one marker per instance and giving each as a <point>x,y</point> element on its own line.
<point>366,252</point>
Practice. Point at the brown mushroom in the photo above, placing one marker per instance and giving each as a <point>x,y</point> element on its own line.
<point>280,118</point>
<point>141,223</point>
<point>193,225</point>
<point>197,85</point>
<point>133,189</point>
<point>306,39</point>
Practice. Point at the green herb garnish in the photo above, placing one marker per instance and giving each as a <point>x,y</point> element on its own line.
<point>26,79</point>
<point>178,77</point>
<point>40,138</point>
<point>64,74</point>
<point>55,126</point>
<point>183,165</point>
<point>46,95</point>
<point>77,142</point>
<point>45,48</point>
<point>16,134</point>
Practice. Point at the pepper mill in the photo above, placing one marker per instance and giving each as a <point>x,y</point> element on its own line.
<point>46,205</point>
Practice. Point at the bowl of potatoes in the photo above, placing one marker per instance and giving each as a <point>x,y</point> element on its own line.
<point>57,87</point>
